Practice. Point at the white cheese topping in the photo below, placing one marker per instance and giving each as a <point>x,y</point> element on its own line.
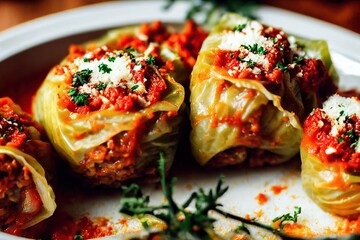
<point>111,70</point>
<point>338,109</point>
<point>251,34</point>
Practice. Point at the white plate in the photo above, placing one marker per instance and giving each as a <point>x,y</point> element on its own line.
<point>37,45</point>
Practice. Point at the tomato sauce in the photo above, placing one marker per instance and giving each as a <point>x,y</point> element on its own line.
<point>262,198</point>
<point>317,139</point>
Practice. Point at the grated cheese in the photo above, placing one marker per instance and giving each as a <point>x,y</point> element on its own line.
<point>338,109</point>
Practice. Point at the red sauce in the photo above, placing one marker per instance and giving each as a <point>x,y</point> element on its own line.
<point>262,198</point>
<point>317,139</point>
<point>186,43</point>
<point>62,226</point>
<point>278,189</point>
<point>118,97</point>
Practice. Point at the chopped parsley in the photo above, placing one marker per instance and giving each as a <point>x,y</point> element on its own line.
<point>354,139</point>
<point>111,59</point>
<point>101,86</point>
<point>81,77</point>
<point>239,27</point>
<point>298,59</point>
<point>249,62</point>
<point>340,139</point>
<point>79,99</point>
<point>275,40</point>
<point>282,67</point>
<point>4,135</point>
<point>104,68</point>
<point>256,49</point>
<point>78,237</point>
<point>231,54</point>
<point>86,59</point>
<point>134,87</point>
<point>151,60</point>
<point>287,218</point>
<point>129,50</point>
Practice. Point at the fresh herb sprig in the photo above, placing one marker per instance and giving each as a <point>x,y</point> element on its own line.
<point>184,224</point>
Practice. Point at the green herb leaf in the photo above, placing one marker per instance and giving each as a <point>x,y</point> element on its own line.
<point>81,77</point>
<point>287,218</point>
<point>242,228</point>
<point>256,49</point>
<point>298,59</point>
<point>275,40</point>
<point>282,67</point>
<point>104,68</point>
<point>101,86</point>
<point>111,59</point>
<point>239,27</point>
<point>86,59</point>
<point>79,99</point>
<point>134,87</point>
<point>340,139</point>
<point>249,62</point>
<point>151,60</point>
<point>78,237</point>
<point>4,135</point>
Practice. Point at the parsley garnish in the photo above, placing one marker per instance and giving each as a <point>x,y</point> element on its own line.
<point>231,54</point>
<point>249,62</point>
<point>353,137</point>
<point>79,99</point>
<point>195,224</point>
<point>256,49</point>
<point>275,40</point>
<point>104,68</point>
<point>111,59</point>
<point>151,60</point>
<point>340,139</point>
<point>81,77</point>
<point>282,67</point>
<point>86,59</point>
<point>298,59</point>
<point>287,218</point>
<point>129,50</point>
<point>78,237</point>
<point>239,27</point>
<point>4,135</point>
<point>134,87</point>
<point>101,86</point>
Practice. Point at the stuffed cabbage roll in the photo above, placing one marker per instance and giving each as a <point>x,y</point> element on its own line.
<point>175,50</point>
<point>330,155</point>
<point>109,113</point>
<point>251,87</point>
<point>26,197</point>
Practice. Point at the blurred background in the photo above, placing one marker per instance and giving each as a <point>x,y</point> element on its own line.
<point>345,13</point>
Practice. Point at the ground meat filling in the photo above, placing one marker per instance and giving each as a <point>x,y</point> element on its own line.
<point>19,199</point>
<point>117,160</point>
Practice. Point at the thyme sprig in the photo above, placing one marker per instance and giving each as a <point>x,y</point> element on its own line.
<point>197,224</point>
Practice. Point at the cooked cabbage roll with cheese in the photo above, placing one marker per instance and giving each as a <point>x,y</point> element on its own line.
<point>26,197</point>
<point>330,155</point>
<point>175,50</point>
<point>251,87</point>
<point>109,113</point>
